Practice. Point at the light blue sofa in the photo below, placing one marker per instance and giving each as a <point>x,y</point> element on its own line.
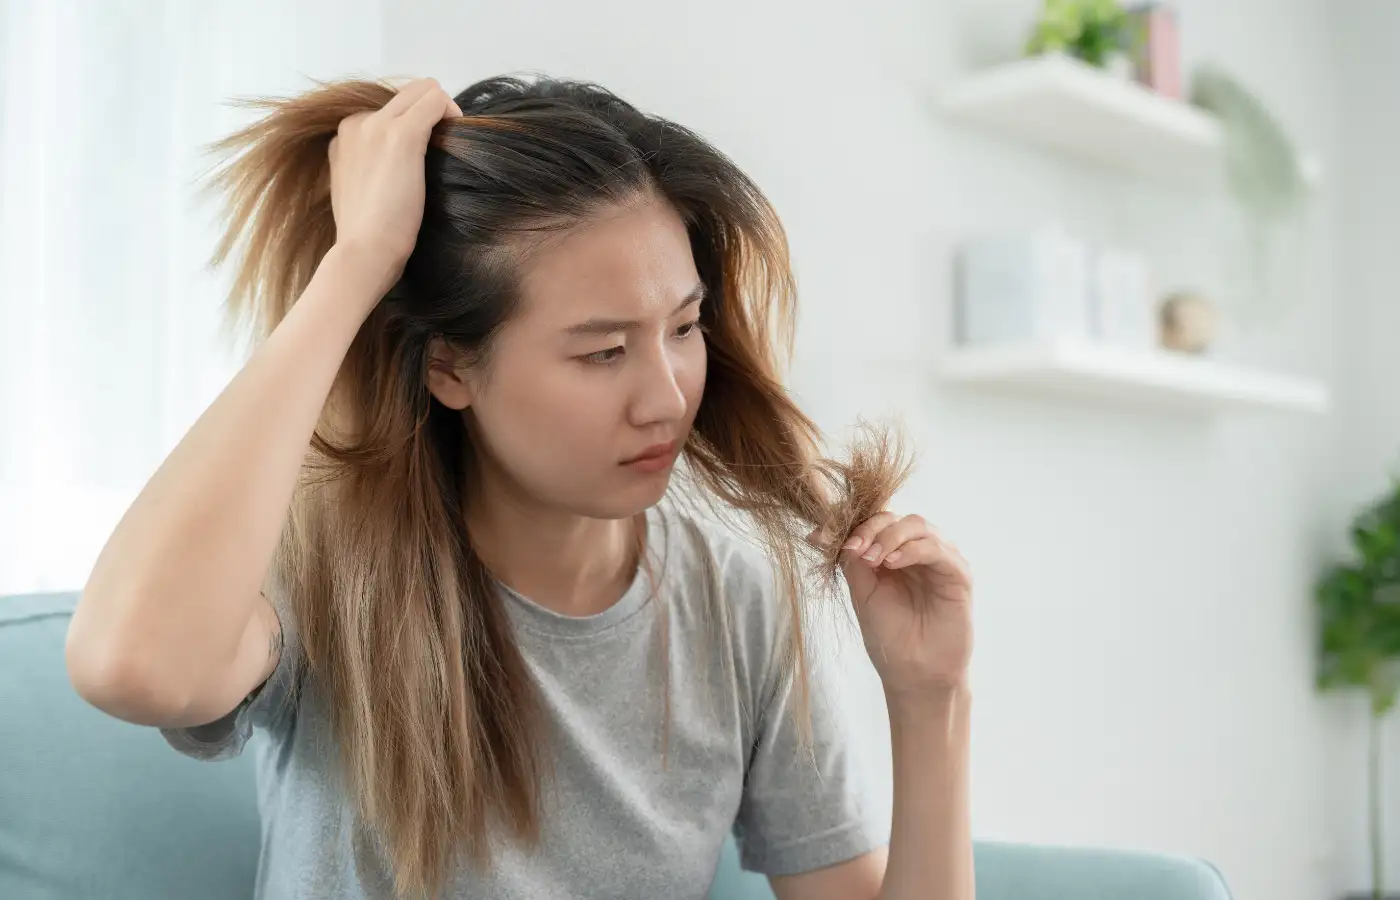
<point>91,807</point>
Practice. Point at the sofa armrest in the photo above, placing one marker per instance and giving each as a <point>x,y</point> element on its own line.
<point>1029,872</point>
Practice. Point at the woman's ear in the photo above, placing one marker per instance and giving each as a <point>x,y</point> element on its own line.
<point>448,377</point>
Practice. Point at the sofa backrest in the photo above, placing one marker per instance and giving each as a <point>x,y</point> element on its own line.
<point>94,807</point>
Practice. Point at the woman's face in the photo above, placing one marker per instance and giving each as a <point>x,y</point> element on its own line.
<point>603,362</point>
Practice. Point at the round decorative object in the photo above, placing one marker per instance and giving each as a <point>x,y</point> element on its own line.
<point>1189,322</point>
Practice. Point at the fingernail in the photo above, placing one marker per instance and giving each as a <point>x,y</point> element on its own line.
<point>873,553</point>
<point>894,557</point>
<point>853,544</point>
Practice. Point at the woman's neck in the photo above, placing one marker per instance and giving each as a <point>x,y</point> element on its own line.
<point>571,564</point>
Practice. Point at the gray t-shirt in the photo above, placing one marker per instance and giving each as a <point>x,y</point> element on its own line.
<point>618,823</point>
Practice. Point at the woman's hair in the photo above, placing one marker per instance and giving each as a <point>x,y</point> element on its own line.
<point>436,717</point>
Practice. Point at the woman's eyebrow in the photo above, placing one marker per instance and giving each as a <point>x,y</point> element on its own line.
<point>611,326</point>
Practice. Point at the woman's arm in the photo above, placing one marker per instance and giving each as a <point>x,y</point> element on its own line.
<point>931,835</point>
<point>172,629</point>
<point>912,593</point>
<point>930,852</point>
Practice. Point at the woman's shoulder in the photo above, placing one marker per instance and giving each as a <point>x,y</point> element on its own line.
<point>721,573</point>
<point>703,551</point>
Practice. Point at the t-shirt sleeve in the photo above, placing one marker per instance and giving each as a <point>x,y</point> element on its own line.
<point>271,705</point>
<point>804,806</point>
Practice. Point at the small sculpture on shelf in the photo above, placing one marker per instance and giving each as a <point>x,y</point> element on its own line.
<point>1188,322</point>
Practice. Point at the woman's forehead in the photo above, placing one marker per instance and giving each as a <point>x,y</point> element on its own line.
<point>630,261</point>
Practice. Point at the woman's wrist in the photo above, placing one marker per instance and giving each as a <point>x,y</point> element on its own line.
<point>941,706</point>
<point>366,273</point>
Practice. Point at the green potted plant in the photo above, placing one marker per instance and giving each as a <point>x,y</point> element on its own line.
<point>1095,31</point>
<point>1359,610</point>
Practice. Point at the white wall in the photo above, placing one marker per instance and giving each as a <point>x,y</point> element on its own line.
<point>1144,669</point>
<point>1368,440</point>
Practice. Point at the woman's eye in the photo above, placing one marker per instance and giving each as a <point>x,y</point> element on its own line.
<point>603,357</point>
<point>613,354</point>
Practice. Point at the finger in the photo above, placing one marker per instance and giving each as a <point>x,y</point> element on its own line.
<point>950,547</point>
<point>894,536</point>
<point>430,109</point>
<point>860,578</point>
<point>894,533</point>
<point>943,559</point>
<point>408,95</point>
<point>352,121</point>
<point>948,567</point>
<point>947,544</point>
<point>864,533</point>
<point>925,551</point>
<point>454,109</point>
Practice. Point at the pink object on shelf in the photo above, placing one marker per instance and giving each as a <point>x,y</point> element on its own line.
<point>1156,48</point>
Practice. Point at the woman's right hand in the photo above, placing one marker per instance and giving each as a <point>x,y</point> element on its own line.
<point>377,186</point>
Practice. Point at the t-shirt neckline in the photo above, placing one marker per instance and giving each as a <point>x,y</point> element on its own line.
<point>530,615</point>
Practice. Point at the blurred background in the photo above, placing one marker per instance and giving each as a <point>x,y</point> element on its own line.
<point>1127,276</point>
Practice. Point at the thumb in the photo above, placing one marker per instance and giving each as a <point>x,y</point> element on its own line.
<point>860,576</point>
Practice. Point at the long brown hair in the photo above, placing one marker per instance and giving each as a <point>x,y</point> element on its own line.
<point>436,717</point>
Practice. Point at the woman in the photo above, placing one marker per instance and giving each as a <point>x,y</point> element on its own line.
<point>489,661</point>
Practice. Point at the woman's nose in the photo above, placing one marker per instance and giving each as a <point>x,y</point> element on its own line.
<point>660,397</point>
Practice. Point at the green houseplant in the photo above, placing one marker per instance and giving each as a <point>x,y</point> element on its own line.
<point>1359,610</point>
<point>1091,30</point>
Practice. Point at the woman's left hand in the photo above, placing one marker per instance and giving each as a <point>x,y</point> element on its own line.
<point>912,592</point>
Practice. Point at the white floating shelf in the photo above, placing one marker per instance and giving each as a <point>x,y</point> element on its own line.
<point>1147,379</point>
<point>1066,105</point>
